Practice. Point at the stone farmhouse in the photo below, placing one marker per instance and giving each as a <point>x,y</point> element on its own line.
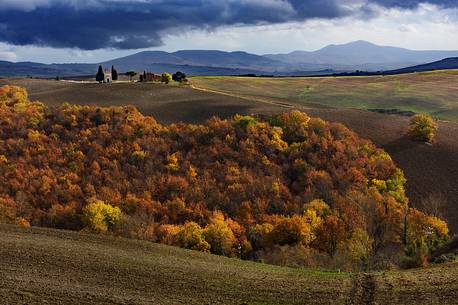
<point>108,77</point>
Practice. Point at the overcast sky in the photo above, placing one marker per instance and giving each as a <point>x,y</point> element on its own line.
<point>97,30</point>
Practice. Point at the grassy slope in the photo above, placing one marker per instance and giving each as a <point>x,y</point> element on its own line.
<point>431,92</point>
<point>42,266</point>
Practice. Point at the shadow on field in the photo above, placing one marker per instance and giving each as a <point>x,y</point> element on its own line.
<point>403,144</point>
<point>196,111</point>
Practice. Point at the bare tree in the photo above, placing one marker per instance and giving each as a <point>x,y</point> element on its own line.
<point>433,204</point>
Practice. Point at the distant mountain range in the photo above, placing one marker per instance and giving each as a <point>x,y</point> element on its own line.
<point>358,55</point>
<point>363,55</point>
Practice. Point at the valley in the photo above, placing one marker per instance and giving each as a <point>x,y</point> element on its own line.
<point>228,152</point>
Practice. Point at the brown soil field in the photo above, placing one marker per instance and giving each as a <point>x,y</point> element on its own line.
<point>432,171</point>
<point>167,103</point>
<point>41,266</point>
<point>44,266</point>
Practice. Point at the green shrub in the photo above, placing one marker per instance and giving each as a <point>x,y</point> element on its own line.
<point>245,121</point>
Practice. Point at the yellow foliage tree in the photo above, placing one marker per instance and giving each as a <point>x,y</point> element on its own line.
<point>11,95</point>
<point>191,236</point>
<point>172,162</point>
<point>100,217</point>
<point>167,234</point>
<point>425,228</point>
<point>422,128</point>
<point>219,235</point>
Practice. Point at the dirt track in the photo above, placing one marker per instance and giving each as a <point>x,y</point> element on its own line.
<point>363,290</point>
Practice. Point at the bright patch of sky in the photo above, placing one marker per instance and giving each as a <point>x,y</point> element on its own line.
<point>426,27</point>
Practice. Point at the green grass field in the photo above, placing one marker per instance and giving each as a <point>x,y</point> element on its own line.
<point>44,266</point>
<point>435,93</point>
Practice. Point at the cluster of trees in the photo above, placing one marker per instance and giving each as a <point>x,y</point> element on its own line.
<point>255,188</point>
<point>131,74</point>
<point>179,77</point>
<point>165,78</point>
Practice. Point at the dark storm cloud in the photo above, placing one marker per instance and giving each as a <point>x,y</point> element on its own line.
<point>133,24</point>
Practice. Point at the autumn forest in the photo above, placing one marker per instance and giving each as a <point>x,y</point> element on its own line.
<point>286,189</point>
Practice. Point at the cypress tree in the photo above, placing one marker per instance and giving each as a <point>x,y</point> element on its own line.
<point>114,73</point>
<point>100,77</point>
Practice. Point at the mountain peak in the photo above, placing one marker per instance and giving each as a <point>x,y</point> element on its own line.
<point>358,44</point>
<point>361,43</point>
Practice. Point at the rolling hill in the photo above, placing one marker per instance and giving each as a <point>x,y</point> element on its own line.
<point>39,266</point>
<point>359,55</point>
<point>444,64</point>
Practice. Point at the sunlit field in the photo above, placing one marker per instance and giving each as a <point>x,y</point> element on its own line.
<point>435,93</point>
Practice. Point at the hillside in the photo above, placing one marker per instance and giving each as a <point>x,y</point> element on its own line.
<point>197,58</point>
<point>43,70</point>
<point>43,265</point>
<point>169,104</point>
<point>444,64</point>
<point>246,187</point>
<point>430,171</point>
<point>434,92</point>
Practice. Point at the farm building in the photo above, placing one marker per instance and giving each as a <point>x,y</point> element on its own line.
<point>108,77</point>
<point>150,77</point>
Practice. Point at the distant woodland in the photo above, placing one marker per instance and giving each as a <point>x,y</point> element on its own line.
<point>286,189</point>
